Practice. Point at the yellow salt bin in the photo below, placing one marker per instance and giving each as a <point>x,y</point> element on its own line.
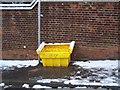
<point>55,54</point>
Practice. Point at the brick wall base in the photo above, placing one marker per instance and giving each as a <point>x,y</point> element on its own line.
<point>79,53</point>
<point>19,54</point>
<point>92,53</point>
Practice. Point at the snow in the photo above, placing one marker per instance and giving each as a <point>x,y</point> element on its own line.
<point>39,86</point>
<point>108,80</point>
<point>98,64</point>
<point>80,82</point>
<point>50,80</point>
<point>25,85</point>
<point>7,86</point>
<point>80,87</point>
<point>99,84</point>
<point>72,45</point>
<point>8,64</point>
<point>101,70</point>
<point>76,82</point>
<point>59,87</point>
<point>105,71</point>
<point>41,46</point>
<point>44,81</point>
<point>2,84</point>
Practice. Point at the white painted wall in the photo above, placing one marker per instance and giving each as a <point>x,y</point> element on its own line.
<point>60,0</point>
<point>80,0</point>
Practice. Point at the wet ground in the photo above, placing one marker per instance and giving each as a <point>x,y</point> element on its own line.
<point>19,76</point>
<point>32,74</point>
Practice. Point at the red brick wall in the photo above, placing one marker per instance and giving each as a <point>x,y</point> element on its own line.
<point>93,25</point>
<point>19,30</point>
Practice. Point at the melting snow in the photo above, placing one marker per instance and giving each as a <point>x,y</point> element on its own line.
<point>80,87</point>
<point>39,86</point>
<point>50,80</point>
<point>8,64</point>
<point>101,69</point>
<point>25,85</point>
<point>98,64</point>
<point>2,84</point>
<point>106,72</point>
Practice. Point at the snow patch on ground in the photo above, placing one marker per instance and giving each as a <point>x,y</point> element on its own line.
<point>9,64</point>
<point>39,86</point>
<point>50,80</point>
<point>103,73</point>
<point>80,87</point>
<point>98,64</point>
<point>25,85</point>
<point>7,86</point>
<point>2,84</point>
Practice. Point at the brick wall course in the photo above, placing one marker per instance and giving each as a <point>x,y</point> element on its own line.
<point>93,25</point>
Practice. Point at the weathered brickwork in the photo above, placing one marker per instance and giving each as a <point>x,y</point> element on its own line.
<point>93,25</point>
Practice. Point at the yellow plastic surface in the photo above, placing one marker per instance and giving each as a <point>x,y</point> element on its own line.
<point>55,55</point>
